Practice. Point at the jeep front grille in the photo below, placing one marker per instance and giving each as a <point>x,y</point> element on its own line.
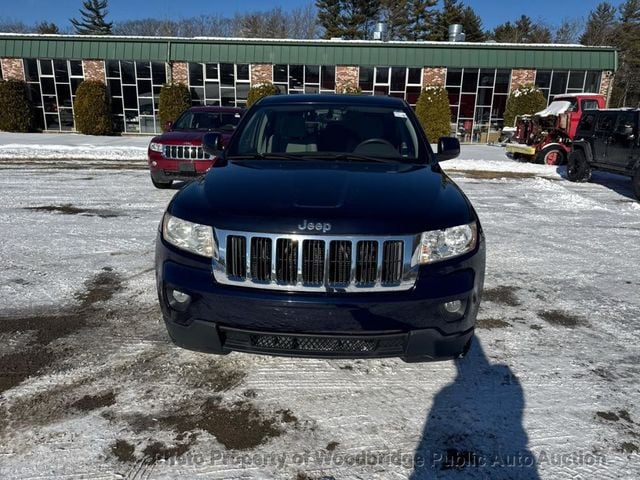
<point>315,263</point>
<point>184,152</point>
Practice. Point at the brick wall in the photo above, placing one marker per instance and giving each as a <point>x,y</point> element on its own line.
<point>606,82</point>
<point>346,77</point>
<point>12,68</point>
<point>521,77</point>
<point>434,76</point>
<point>180,73</point>
<point>261,73</point>
<point>94,70</point>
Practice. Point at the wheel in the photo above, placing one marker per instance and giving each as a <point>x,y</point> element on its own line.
<point>578,169</point>
<point>551,156</point>
<point>162,185</point>
<point>636,182</point>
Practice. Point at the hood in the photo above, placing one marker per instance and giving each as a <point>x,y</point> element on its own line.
<point>555,108</point>
<point>355,198</point>
<point>188,137</point>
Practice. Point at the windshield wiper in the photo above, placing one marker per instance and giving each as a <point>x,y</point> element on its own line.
<point>358,158</point>
<point>266,156</point>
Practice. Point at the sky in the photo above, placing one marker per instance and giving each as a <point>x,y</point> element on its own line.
<point>59,11</point>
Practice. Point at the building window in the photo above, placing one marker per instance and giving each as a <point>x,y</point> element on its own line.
<point>557,82</point>
<point>52,86</point>
<point>400,82</point>
<point>290,79</point>
<point>222,84</point>
<point>134,88</point>
<point>477,98</point>
<point>1,74</point>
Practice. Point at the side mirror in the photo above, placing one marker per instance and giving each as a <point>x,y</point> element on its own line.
<point>168,126</point>
<point>212,144</point>
<point>448,148</point>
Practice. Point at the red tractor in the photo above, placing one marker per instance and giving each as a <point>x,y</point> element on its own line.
<point>546,136</point>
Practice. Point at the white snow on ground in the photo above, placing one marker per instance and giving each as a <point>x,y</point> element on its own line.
<point>553,376</point>
<point>34,146</point>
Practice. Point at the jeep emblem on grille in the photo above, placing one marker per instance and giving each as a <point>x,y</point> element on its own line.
<point>317,226</point>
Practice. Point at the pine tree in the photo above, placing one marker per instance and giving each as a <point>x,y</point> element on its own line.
<point>92,21</point>
<point>455,12</point>
<point>359,17</point>
<point>395,13</point>
<point>422,19</point>
<point>626,37</point>
<point>600,25</point>
<point>522,31</point>
<point>472,25</point>
<point>330,17</point>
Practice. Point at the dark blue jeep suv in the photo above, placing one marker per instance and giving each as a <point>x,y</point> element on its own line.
<point>326,228</point>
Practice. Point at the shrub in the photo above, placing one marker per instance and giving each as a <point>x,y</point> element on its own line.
<point>526,100</point>
<point>350,90</point>
<point>15,110</point>
<point>433,112</point>
<point>261,90</point>
<point>174,99</point>
<point>92,109</point>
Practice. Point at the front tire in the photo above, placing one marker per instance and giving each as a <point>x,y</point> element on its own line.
<point>161,185</point>
<point>578,169</point>
<point>636,182</point>
<point>551,156</point>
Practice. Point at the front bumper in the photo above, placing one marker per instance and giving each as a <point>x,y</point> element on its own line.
<point>521,148</point>
<point>164,169</point>
<point>409,324</point>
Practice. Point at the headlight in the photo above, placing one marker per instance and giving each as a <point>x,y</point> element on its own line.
<point>188,236</point>
<point>438,245</point>
<point>155,147</point>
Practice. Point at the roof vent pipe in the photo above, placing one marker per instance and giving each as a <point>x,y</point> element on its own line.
<point>456,34</point>
<point>380,32</point>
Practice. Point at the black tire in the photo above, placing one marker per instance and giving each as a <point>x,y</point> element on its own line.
<point>636,182</point>
<point>578,169</point>
<point>551,156</point>
<point>161,185</point>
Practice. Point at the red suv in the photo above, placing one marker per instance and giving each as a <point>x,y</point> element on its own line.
<point>177,154</point>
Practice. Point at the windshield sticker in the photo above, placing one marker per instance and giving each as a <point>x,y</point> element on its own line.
<point>399,114</point>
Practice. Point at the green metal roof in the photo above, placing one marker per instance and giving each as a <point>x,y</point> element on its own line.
<point>324,52</point>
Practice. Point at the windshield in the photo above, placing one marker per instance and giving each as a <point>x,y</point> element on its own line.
<point>327,130</point>
<point>207,121</point>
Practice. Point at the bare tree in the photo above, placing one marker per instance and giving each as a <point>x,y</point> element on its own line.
<point>9,25</point>
<point>569,30</point>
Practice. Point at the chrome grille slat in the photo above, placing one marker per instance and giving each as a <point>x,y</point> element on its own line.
<point>184,152</point>
<point>260,259</point>
<point>366,262</point>
<point>392,262</point>
<point>315,263</point>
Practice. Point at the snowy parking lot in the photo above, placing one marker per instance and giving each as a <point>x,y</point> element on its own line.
<point>91,387</point>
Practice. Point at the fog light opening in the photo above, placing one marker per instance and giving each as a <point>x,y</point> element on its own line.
<point>453,307</point>
<point>180,297</point>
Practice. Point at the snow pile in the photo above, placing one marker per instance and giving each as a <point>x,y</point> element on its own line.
<point>48,146</point>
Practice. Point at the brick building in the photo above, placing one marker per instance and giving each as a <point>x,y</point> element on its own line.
<point>478,76</point>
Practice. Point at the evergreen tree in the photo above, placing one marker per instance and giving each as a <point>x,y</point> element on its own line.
<point>455,12</point>
<point>92,18</point>
<point>396,14</point>
<point>626,37</point>
<point>359,18</point>
<point>600,25</point>
<point>330,17</point>
<point>522,31</point>
<point>421,19</point>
